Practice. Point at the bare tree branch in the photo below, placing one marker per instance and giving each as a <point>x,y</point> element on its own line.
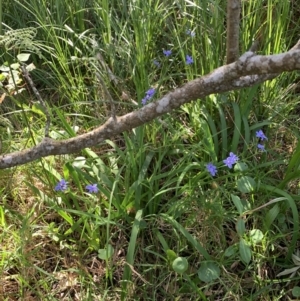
<point>233,30</point>
<point>40,99</point>
<point>248,70</point>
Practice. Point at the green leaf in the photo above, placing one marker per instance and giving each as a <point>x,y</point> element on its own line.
<point>4,68</point>
<point>240,166</point>
<point>295,213</point>
<point>15,66</point>
<point>240,227</point>
<point>245,251</point>
<point>38,109</point>
<point>208,271</point>
<point>246,184</point>
<point>171,255</point>
<point>131,252</point>
<point>237,127</point>
<point>79,162</point>
<point>223,126</point>
<point>238,204</point>
<point>296,291</point>
<point>180,265</point>
<point>2,77</point>
<point>210,135</point>
<point>30,67</point>
<point>106,253</point>
<point>230,251</point>
<point>271,216</point>
<point>23,57</point>
<point>256,236</point>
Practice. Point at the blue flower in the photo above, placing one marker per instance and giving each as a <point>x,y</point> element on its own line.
<point>61,185</point>
<point>231,160</point>
<point>189,60</point>
<point>156,63</point>
<point>167,52</point>
<point>190,33</point>
<point>212,169</point>
<point>149,95</point>
<point>260,134</point>
<point>261,147</point>
<point>92,188</point>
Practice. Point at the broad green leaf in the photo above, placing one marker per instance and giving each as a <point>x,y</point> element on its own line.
<point>4,68</point>
<point>106,253</point>
<point>171,255</point>
<point>15,66</point>
<point>240,166</point>
<point>240,227</point>
<point>230,251</point>
<point>290,272</point>
<point>79,162</point>
<point>23,57</point>
<point>296,291</point>
<point>246,184</point>
<point>238,204</point>
<point>245,251</point>
<point>180,265</point>
<point>208,271</point>
<point>271,216</point>
<point>30,67</point>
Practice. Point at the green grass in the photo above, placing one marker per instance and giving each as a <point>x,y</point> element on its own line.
<point>157,206</point>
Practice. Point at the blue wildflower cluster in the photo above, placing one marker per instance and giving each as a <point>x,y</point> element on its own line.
<point>229,162</point>
<point>189,60</point>
<point>212,169</point>
<point>62,185</point>
<point>168,52</point>
<point>190,33</point>
<point>232,158</point>
<point>262,137</point>
<point>149,95</point>
<point>156,63</point>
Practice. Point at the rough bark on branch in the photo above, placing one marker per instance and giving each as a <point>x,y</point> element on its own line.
<point>248,70</point>
<point>233,30</point>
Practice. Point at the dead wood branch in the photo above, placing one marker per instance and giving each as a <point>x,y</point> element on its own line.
<point>248,70</point>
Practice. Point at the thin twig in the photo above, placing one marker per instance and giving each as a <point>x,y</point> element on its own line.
<point>254,46</point>
<point>40,99</point>
<point>113,78</point>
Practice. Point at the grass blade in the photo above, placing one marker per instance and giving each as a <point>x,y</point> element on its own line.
<point>130,252</point>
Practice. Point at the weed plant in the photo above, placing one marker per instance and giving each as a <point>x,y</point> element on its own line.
<point>201,204</point>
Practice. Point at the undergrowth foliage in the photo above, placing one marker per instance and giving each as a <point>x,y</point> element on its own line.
<point>202,204</point>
